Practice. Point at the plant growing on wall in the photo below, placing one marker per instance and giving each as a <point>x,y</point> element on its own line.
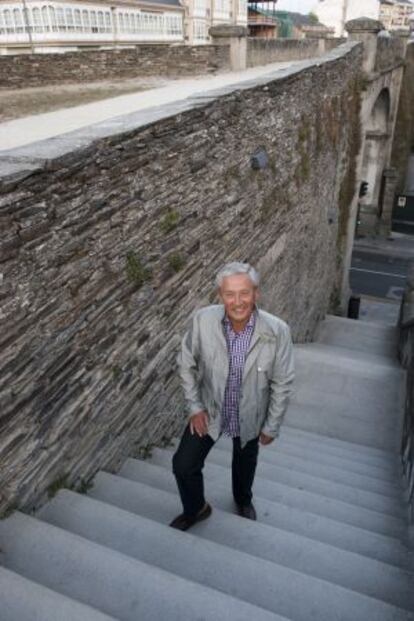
<point>136,272</point>
<point>169,221</point>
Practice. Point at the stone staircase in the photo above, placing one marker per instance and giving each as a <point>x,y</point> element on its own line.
<point>331,542</point>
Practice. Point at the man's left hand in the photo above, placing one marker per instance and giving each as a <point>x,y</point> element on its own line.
<point>264,439</point>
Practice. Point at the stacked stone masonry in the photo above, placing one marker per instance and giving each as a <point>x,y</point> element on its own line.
<point>390,52</point>
<point>22,71</point>
<point>105,253</point>
<point>34,70</point>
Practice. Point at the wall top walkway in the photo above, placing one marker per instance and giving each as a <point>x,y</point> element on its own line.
<point>27,144</point>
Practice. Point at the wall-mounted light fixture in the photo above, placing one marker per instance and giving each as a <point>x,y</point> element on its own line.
<point>259,159</point>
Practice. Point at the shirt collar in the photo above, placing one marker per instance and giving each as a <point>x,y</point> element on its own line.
<point>249,325</point>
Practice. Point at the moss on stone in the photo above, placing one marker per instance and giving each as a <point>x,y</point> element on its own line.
<point>136,272</point>
<point>170,221</point>
<point>176,261</point>
<point>59,483</point>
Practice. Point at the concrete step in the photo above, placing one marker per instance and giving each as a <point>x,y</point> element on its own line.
<point>328,471</point>
<point>362,336</point>
<point>115,583</point>
<point>372,398</point>
<point>286,550</point>
<point>24,600</point>
<point>301,480</point>
<point>344,424</point>
<point>284,517</point>
<point>346,458</point>
<point>326,442</point>
<point>355,362</point>
<point>302,499</point>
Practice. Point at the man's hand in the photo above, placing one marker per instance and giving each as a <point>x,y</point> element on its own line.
<point>199,423</point>
<point>264,439</point>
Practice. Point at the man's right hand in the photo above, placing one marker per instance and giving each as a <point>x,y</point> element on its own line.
<point>199,423</point>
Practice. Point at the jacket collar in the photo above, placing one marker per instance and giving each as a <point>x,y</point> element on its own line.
<point>260,334</point>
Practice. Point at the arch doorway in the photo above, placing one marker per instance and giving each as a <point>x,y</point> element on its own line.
<point>374,161</point>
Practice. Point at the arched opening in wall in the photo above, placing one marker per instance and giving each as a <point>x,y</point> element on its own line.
<point>376,148</point>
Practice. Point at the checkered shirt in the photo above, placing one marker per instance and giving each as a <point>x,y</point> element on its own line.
<point>237,348</point>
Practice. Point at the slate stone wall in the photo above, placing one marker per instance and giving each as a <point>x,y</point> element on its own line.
<point>263,51</point>
<point>406,354</point>
<point>403,142</point>
<point>105,252</point>
<point>390,51</point>
<point>22,71</point>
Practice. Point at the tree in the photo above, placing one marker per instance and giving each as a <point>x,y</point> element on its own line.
<point>313,18</point>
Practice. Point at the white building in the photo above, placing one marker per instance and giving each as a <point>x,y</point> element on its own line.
<point>396,14</point>
<point>335,13</point>
<point>66,25</point>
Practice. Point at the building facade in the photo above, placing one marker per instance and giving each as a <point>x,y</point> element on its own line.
<point>396,14</point>
<point>67,25</point>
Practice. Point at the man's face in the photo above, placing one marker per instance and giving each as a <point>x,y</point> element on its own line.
<point>239,296</point>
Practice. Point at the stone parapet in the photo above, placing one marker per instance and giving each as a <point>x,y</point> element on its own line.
<point>26,70</point>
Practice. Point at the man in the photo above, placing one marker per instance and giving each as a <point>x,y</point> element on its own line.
<point>236,368</point>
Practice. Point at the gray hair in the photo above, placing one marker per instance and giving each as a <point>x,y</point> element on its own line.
<point>231,269</point>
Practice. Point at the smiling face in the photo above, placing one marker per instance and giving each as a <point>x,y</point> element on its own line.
<point>239,296</point>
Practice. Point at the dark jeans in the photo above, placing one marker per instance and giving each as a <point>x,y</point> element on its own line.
<point>188,463</point>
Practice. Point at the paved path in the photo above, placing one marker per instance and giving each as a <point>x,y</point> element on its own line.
<point>30,129</point>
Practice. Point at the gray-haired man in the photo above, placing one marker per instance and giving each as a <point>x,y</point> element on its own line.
<point>236,368</point>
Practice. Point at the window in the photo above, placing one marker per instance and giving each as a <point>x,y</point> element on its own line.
<point>86,21</point>
<point>52,18</point>
<point>70,24</point>
<point>77,20</point>
<point>36,20</point>
<point>101,22</point>
<point>18,20</point>
<point>8,22</point>
<point>108,22</point>
<point>94,21</point>
<point>60,18</point>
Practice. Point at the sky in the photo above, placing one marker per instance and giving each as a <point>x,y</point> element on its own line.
<point>299,6</point>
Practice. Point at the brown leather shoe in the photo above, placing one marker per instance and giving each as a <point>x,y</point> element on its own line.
<point>248,511</point>
<point>184,522</point>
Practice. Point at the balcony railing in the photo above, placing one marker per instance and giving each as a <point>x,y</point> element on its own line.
<point>260,20</point>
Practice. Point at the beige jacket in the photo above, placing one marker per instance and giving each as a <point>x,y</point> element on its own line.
<point>267,377</point>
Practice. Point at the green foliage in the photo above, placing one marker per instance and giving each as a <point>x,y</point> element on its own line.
<point>176,261</point>
<point>116,372</point>
<point>84,486</point>
<point>60,483</point>
<point>136,272</point>
<point>303,168</point>
<point>145,452</point>
<point>169,221</point>
<point>313,18</point>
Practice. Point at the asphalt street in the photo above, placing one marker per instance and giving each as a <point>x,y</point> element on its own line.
<point>378,275</point>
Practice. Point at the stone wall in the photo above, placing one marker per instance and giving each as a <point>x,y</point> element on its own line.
<point>406,351</point>
<point>390,51</point>
<point>107,248</point>
<point>403,143</point>
<point>263,51</point>
<point>23,70</point>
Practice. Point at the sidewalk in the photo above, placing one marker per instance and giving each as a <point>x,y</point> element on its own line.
<point>398,245</point>
<point>24,131</point>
